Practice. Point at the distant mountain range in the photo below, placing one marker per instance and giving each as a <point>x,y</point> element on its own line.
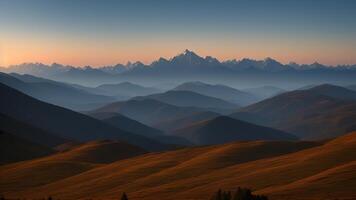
<point>190,66</point>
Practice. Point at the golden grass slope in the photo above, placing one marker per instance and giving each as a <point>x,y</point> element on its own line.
<point>27,174</point>
<point>153,170</point>
<point>282,170</point>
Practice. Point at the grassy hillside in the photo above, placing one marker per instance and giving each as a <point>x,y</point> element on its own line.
<point>27,174</point>
<point>145,175</point>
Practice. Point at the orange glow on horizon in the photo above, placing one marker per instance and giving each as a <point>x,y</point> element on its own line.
<point>103,53</point>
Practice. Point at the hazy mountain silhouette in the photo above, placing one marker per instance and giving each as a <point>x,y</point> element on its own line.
<point>148,111</point>
<point>126,89</point>
<point>191,99</point>
<point>14,149</point>
<point>224,129</point>
<point>351,87</point>
<point>320,112</point>
<point>218,91</point>
<point>63,122</point>
<point>264,91</point>
<point>55,92</point>
<point>130,125</point>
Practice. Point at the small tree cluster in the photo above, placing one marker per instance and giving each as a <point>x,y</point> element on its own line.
<point>239,194</point>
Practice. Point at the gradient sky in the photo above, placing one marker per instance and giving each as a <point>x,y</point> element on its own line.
<point>106,32</point>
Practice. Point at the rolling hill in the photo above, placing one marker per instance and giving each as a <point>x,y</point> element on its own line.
<point>55,92</point>
<point>63,122</point>
<point>148,111</point>
<point>320,112</point>
<point>225,129</point>
<point>190,99</point>
<point>218,91</point>
<point>282,170</point>
<point>101,151</point>
<point>192,173</point>
<point>44,170</point>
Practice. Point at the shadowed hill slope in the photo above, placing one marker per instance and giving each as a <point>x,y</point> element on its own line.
<point>127,124</point>
<point>29,133</point>
<point>14,149</point>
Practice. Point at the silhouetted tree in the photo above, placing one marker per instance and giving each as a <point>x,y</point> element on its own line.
<point>124,196</point>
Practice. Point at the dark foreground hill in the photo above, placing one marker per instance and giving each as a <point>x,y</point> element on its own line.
<point>63,122</point>
<point>29,133</point>
<point>14,149</point>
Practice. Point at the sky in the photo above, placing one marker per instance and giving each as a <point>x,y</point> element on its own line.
<point>107,32</point>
